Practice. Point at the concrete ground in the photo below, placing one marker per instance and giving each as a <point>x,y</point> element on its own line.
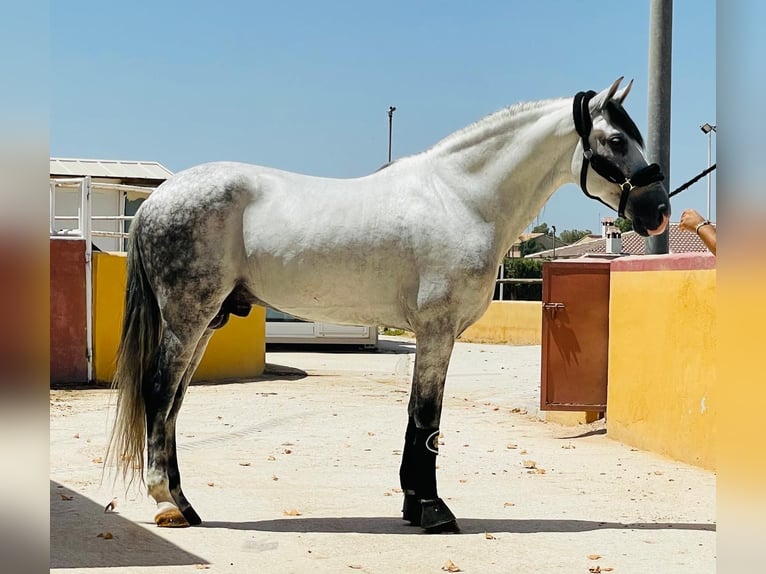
<point>298,472</point>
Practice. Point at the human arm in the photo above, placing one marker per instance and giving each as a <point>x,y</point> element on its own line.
<point>693,222</point>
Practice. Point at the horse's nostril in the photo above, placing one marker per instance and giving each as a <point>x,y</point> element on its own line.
<point>663,208</point>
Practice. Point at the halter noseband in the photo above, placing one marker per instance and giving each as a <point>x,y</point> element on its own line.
<point>602,165</point>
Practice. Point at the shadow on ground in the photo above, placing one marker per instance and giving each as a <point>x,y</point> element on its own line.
<point>380,525</point>
<point>77,522</point>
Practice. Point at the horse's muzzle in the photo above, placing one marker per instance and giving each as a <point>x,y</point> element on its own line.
<point>649,210</point>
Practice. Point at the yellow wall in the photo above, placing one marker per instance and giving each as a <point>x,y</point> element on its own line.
<point>238,350</point>
<point>662,367</point>
<point>509,322</point>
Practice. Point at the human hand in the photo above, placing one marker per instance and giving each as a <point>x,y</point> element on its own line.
<point>690,219</point>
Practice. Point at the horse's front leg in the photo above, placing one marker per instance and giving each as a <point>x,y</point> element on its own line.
<point>422,505</point>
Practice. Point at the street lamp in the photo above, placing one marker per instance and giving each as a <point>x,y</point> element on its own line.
<point>391,110</point>
<point>708,129</point>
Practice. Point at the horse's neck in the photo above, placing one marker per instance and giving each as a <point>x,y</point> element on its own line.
<point>508,164</point>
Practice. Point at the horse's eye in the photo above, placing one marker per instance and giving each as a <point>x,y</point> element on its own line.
<point>618,142</point>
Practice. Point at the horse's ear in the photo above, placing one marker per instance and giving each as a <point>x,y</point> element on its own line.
<point>623,93</point>
<point>598,101</point>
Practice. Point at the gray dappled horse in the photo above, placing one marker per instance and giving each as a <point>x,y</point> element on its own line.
<point>415,245</point>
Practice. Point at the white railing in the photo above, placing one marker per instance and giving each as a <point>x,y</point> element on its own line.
<point>84,229</point>
<point>77,183</point>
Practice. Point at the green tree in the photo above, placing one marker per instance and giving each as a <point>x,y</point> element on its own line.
<point>542,228</point>
<point>570,236</point>
<point>524,268</point>
<point>623,224</point>
<point>530,246</point>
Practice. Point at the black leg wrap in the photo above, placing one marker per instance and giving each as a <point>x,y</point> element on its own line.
<point>436,517</point>
<point>191,516</point>
<point>412,509</point>
<point>422,505</point>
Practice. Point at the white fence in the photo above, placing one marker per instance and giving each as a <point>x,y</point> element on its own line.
<point>82,223</point>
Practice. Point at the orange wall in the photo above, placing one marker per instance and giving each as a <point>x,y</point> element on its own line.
<point>236,351</point>
<point>68,361</point>
<point>508,322</point>
<point>662,355</point>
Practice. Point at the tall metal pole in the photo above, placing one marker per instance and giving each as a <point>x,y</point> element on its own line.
<point>709,159</point>
<point>391,110</point>
<point>708,130</point>
<point>658,132</point>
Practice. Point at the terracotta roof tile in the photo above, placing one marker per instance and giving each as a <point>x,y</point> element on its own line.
<point>679,241</point>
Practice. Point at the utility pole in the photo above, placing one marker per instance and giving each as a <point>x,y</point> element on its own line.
<point>658,132</point>
<point>391,110</point>
<point>708,129</point>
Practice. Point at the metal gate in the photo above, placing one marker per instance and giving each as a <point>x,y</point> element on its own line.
<point>575,335</point>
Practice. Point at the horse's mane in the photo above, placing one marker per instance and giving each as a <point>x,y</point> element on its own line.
<point>491,118</point>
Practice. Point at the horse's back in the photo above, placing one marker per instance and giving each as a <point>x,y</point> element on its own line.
<point>368,250</point>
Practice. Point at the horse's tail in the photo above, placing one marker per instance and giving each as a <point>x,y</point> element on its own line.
<point>136,359</point>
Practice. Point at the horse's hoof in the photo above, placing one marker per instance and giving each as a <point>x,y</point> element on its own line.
<point>412,509</point>
<point>170,517</point>
<point>436,517</point>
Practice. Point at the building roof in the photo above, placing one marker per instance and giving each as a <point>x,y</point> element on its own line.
<point>107,168</point>
<point>679,241</point>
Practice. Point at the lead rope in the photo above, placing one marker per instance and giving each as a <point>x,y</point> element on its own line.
<point>692,181</point>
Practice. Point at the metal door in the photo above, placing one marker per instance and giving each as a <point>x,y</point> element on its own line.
<point>575,335</point>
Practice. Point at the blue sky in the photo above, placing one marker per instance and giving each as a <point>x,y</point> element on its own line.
<point>305,86</point>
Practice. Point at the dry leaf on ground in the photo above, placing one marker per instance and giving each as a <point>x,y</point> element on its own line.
<point>511,445</point>
<point>244,464</point>
<point>489,536</point>
<point>105,535</point>
<point>355,566</point>
<point>271,457</point>
<point>291,512</point>
<point>65,497</point>
<point>594,556</point>
<point>529,464</point>
<point>450,566</point>
<point>506,504</point>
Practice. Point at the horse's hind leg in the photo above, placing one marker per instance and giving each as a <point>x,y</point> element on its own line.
<point>184,339</point>
<point>160,393</point>
<point>174,475</point>
<point>422,505</point>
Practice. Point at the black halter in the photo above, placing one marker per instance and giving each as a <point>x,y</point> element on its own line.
<point>603,165</point>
